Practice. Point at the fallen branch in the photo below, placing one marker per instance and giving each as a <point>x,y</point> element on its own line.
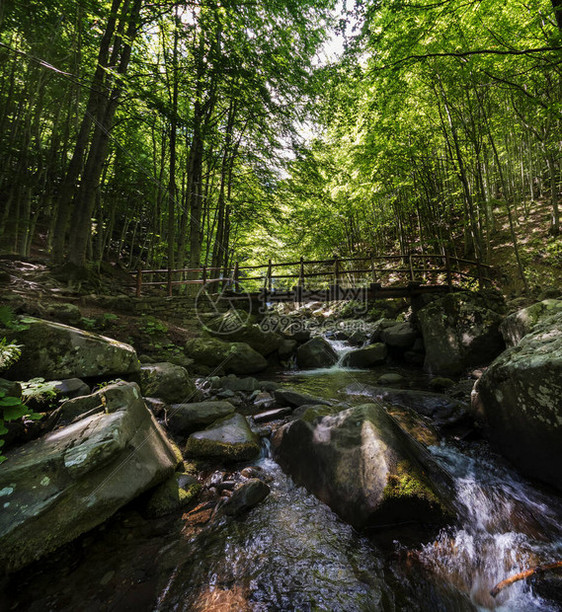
<point>524,575</point>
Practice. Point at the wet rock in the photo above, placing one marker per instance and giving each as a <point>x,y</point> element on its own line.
<point>517,325</point>
<point>176,493</point>
<point>295,398</point>
<point>184,419</point>
<point>316,353</point>
<point>263,400</point>
<point>233,383</point>
<point>401,335</point>
<point>368,357</point>
<point>365,467</point>
<point>57,351</point>
<point>234,357</point>
<point>229,439</point>
<point>245,496</point>
<point>166,381</point>
<point>60,486</point>
<point>518,397</point>
<point>391,378</point>
<point>287,348</point>
<point>459,331</point>
<point>269,386</point>
<point>271,415</point>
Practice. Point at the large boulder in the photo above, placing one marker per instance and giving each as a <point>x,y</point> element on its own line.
<point>316,353</point>
<point>367,357</point>
<point>520,323</point>
<point>166,381</point>
<point>233,357</point>
<point>519,398</point>
<point>56,351</point>
<point>228,327</point>
<point>365,467</point>
<point>459,331</point>
<point>184,419</point>
<point>229,439</point>
<point>401,335</point>
<point>59,486</point>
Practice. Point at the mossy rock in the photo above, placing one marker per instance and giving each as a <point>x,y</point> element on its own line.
<point>176,493</point>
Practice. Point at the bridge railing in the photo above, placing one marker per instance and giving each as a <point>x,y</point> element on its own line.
<point>385,271</point>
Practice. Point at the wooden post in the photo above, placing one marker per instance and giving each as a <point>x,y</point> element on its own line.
<point>301,274</point>
<point>269,283</point>
<point>411,265</point>
<point>236,275</point>
<point>204,275</point>
<point>139,281</point>
<point>448,269</point>
<point>169,282</point>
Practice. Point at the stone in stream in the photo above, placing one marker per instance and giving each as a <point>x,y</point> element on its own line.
<point>263,400</point>
<point>184,419</point>
<point>441,408</point>
<point>459,331</point>
<point>368,357</point>
<point>56,351</point>
<point>67,482</point>
<point>365,467</point>
<point>234,357</point>
<point>177,492</point>
<point>400,335</point>
<point>316,353</point>
<point>166,381</point>
<point>295,398</point>
<point>391,378</point>
<point>520,323</point>
<point>245,496</point>
<point>271,415</point>
<point>229,439</point>
<point>519,397</point>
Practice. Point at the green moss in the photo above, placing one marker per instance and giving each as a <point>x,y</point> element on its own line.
<point>406,483</point>
<point>315,412</point>
<point>239,451</point>
<point>169,496</point>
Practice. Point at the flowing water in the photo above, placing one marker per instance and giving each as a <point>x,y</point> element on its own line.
<point>292,553</point>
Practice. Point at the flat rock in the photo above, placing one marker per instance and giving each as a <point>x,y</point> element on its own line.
<point>229,439</point>
<point>295,398</point>
<point>169,382</point>
<point>184,419</point>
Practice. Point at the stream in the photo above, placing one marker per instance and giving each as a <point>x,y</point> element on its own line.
<point>292,553</point>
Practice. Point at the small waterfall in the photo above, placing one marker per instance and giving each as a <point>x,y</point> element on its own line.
<point>500,522</point>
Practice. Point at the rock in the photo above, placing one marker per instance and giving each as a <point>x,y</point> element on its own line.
<point>519,398</point>
<point>184,419</point>
<point>269,386</point>
<point>378,328</point>
<point>316,353</point>
<point>287,348</point>
<point>229,439</point>
<point>66,313</point>
<point>235,357</point>
<point>401,335</point>
<point>57,351</point>
<point>439,407</point>
<point>520,323</point>
<point>166,381</point>
<point>228,327</point>
<point>263,400</point>
<point>367,357</point>
<point>459,331</point>
<point>296,398</point>
<point>71,388</point>
<point>156,406</point>
<point>365,467</point>
<point>271,415</point>
<point>174,494</point>
<point>245,496</point>
<point>391,378</point>
<point>439,383</point>
<point>233,383</point>
<point>60,486</point>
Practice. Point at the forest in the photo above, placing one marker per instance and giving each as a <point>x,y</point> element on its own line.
<point>201,133</point>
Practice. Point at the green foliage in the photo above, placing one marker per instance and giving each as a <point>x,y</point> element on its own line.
<point>39,390</point>
<point>9,321</point>
<point>9,353</point>
<point>151,326</point>
<point>88,323</point>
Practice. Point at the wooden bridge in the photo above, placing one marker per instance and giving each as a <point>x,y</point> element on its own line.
<point>373,277</point>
